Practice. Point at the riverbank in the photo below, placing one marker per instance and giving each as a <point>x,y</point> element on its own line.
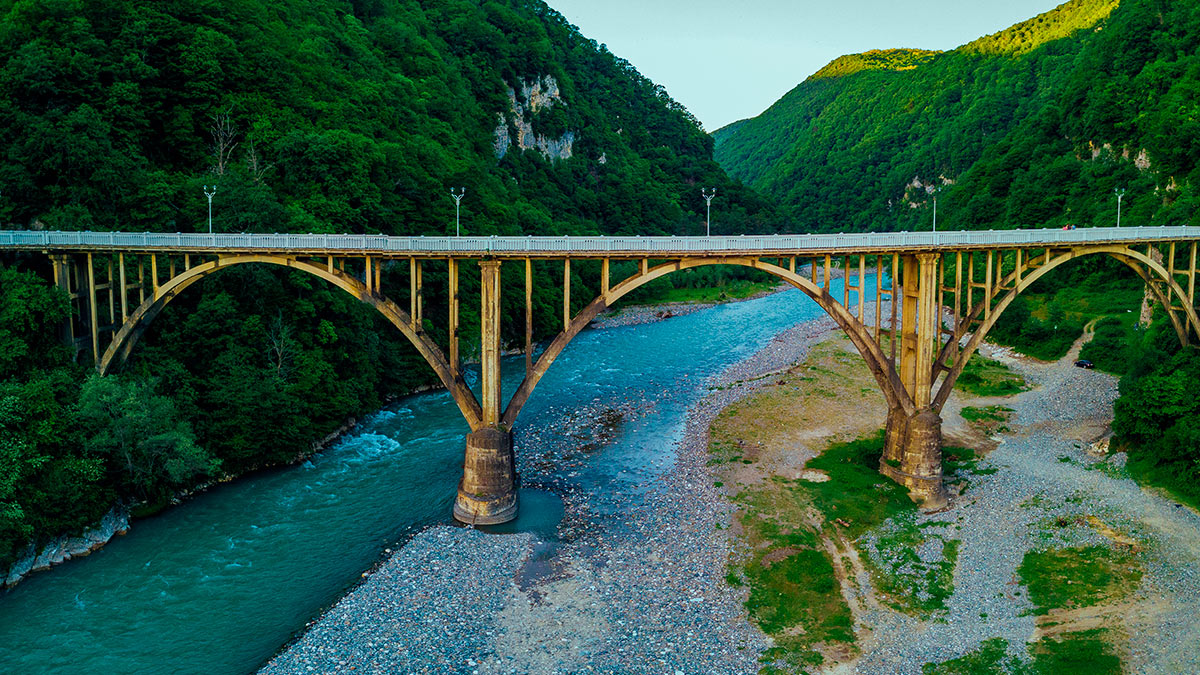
<point>121,518</point>
<point>632,579</point>
<point>1049,552</point>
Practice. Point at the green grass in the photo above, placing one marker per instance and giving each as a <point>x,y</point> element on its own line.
<point>1081,653</point>
<point>1075,654</point>
<point>990,659</point>
<point>908,583</point>
<point>1179,484</point>
<point>794,595</point>
<point>1081,576</point>
<point>856,492</point>
<point>991,413</point>
<point>982,376</point>
<point>1112,347</point>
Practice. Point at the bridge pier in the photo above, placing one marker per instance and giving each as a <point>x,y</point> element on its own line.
<point>912,455</point>
<point>487,493</point>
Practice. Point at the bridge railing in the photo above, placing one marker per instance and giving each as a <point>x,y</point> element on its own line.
<point>583,245</point>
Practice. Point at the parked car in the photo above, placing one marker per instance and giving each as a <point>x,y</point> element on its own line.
<point>1084,363</point>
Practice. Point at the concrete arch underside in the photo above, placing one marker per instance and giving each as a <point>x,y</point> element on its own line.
<point>879,365</point>
<point>1015,283</point>
<point>133,328</point>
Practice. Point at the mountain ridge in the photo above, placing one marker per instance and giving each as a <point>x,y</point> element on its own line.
<point>1013,132</point>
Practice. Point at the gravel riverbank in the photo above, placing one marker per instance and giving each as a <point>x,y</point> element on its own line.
<point>1044,475</point>
<point>632,581</point>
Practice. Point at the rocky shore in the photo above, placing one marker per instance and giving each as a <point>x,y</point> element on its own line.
<point>632,581</point>
<point>61,549</point>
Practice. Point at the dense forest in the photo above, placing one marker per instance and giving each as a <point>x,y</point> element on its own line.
<point>308,116</point>
<point>1035,126</point>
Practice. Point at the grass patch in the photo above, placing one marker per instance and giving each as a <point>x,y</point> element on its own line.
<point>991,413</point>
<point>982,376</point>
<point>909,583</point>
<point>990,659</point>
<point>1180,484</point>
<point>856,492</point>
<point>1081,576</point>
<point>794,594</point>
<point>1113,345</point>
<point>1075,653</point>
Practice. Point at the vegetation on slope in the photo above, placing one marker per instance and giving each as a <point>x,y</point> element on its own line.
<point>1034,126</point>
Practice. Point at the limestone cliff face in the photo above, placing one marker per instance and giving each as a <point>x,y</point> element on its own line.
<point>532,98</point>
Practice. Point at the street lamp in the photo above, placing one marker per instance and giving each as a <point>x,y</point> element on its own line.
<point>1120,193</point>
<point>457,200</point>
<point>934,191</point>
<point>210,195</point>
<point>708,197</point>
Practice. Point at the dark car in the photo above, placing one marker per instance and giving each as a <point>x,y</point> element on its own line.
<point>1084,363</point>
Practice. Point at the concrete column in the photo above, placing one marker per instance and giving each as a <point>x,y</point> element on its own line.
<point>487,493</point>
<point>928,321</point>
<point>62,279</point>
<point>909,301</point>
<point>895,436</point>
<point>489,335</point>
<point>912,453</point>
<point>920,457</point>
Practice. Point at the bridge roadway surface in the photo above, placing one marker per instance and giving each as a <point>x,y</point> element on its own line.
<point>584,247</point>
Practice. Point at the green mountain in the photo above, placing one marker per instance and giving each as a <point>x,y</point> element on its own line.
<point>308,115</point>
<point>1032,126</point>
<point>340,116</point>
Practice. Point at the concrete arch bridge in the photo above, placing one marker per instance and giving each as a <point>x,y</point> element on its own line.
<point>948,290</point>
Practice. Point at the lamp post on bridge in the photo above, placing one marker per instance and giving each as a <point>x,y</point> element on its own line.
<point>1120,193</point>
<point>210,195</point>
<point>708,197</point>
<point>457,200</point>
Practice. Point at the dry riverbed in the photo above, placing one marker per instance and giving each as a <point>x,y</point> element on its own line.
<point>1049,556</point>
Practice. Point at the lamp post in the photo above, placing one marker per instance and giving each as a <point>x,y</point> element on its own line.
<point>1120,193</point>
<point>210,195</point>
<point>457,200</point>
<point>708,197</point>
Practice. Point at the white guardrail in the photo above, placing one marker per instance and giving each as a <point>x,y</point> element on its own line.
<point>55,240</point>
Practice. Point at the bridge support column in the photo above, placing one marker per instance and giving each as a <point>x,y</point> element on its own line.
<point>912,453</point>
<point>62,279</point>
<point>487,493</point>
<point>913,456</point>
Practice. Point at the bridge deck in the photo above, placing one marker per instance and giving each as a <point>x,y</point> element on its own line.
<point>582,247</point>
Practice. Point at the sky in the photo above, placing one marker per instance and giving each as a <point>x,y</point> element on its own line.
<point>729,60</point>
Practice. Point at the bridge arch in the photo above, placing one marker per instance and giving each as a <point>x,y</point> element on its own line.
<point>1152,272</point>
<point>133,328</point>
<point>880,366</point>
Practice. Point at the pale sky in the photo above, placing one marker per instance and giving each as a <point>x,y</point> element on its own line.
<point>726,61</point>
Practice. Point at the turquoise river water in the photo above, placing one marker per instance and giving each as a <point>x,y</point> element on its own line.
<point>220,583</point>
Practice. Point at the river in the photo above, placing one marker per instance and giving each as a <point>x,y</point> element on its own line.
<point>218,584</point>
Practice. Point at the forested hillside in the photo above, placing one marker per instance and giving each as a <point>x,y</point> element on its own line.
<point>1033,126</point>
<point>310,116</point>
